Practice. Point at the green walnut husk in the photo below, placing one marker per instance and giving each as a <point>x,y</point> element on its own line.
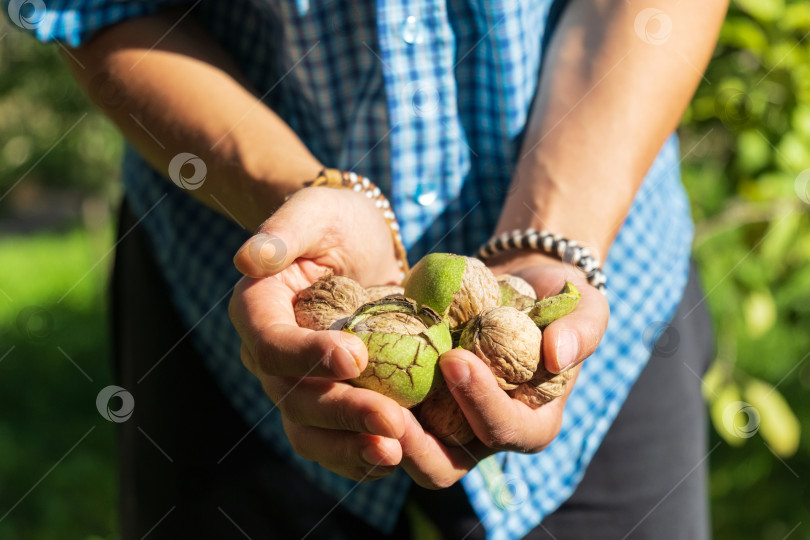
<point>404,343</point>
<point>546,311</point>
<point>458,288</point>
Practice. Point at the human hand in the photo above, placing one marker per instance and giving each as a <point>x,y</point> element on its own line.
<point>500,422</point>
<point>350,431</point>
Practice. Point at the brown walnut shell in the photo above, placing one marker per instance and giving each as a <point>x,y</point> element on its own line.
<point>440,415</point>
<point>518,284</point>
<point>328,301</point>
<point>544,387</point>
<point>381,291</point>
<point>479,291</point>
<point>507,341</point>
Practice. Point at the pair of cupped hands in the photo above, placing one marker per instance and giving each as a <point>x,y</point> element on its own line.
<point>356,432</point>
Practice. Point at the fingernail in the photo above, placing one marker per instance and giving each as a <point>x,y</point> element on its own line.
<point>344,363</point>
<point>377,425</point>
<point>567,349</point>
<point>455,371</point>
<point>267,251</point>
<point>370,455</point>
<point>374,455</point>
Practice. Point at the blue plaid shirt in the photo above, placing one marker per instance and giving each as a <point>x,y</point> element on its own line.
<point>429,99</point>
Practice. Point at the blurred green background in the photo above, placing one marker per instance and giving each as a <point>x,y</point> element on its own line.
<point>745,142</point>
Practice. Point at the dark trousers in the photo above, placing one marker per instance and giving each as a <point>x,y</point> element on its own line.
<point>647,480</point>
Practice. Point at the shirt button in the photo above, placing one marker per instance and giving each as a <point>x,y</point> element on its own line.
<point>412,31</point>
<point>425,197</point>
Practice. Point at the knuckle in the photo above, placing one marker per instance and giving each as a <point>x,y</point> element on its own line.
<point>298,441</point>
<point>502,438</point>
<point>291,410</point>
<point>266,357</point>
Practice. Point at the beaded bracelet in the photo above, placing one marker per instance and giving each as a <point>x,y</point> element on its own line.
<point>553,244</point>
<point>334,178</point>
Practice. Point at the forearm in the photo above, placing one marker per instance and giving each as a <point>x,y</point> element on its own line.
<point>607,101</point>
<point>189,96</point>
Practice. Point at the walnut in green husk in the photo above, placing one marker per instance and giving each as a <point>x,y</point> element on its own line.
<point>457,287</point>
<point>404,343</point>
<point>440,415</point>
<point>507,341</point>
<point>327,301</point>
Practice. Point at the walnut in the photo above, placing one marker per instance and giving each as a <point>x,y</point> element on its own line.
<point>507,341</point>
<point>457,287</point>
<point>518,284</point>
<point>328,301</point>
<point>516,292</point>
<point>542,388</point>
<point>404,342</point>
<point>381,291</point>
<point>440,415</point>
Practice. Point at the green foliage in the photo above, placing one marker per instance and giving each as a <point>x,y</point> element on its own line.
<point>39,104</point>
<point>746,138</point>
<point>752,246</point>
<point>48,404</point>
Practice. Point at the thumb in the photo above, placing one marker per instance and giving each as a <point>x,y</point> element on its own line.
<point>288,234</point>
